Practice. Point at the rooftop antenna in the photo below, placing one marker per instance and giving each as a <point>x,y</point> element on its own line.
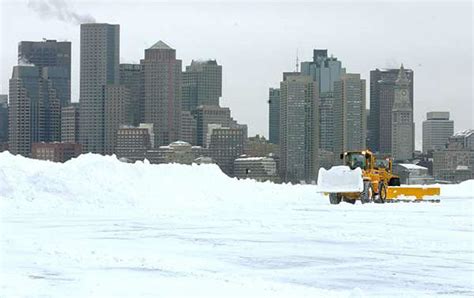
<point>297,61</point>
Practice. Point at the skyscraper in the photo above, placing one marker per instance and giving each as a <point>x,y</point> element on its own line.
<point>299,128</point>
<point>382,86</point>
<point>3,121</point>
<point>403,128</point>
<point>162,74</point>
<point>70,123</point>
<point>100,51</point>
<point>201,84</point>
<point>131,76</point>
<point>206,115</point>
<point>33,111</point>
<point>188,128</point>
<point>56,57</point>
<point>437,128</point>
<point>349,114</point>
<point>117,113</point>
<point>325,71</point>
<point>274,115</point>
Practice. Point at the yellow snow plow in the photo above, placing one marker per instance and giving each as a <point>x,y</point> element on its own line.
<point>419,193</point>
<point>365,178</point>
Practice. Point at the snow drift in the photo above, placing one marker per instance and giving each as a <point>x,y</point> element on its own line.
<point>103,181</point>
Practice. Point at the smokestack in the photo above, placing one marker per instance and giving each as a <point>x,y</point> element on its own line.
<point>60,10</point>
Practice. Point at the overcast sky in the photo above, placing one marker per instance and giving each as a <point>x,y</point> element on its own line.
<point>255,41</point>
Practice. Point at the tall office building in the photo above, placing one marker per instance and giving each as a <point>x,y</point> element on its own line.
<point>162,81</point>
<point>188,128</point>
<point>382,91</point>
<point>3,120</point>
<point>325,71</point>
<point>100,51</point>
<point>206,115</point>
<point>201,84</point>
<point>403,128</point>
<point>117,113</point>
<point>437,128</point>
<point>131,76</point>
<point>226,145</point>
<point>274,115</point>
<point>34,111</point>
<point>299,128</point>
<point>70,123</point>
<point>56,57</point>
<point>349,114</point>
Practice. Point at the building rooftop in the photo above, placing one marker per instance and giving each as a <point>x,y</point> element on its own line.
<point>464,133</point>
<point>254,158</point>
<point>437,115</point>
<point>179,143</point>
<point>160,45</point>
<point>410,166</point>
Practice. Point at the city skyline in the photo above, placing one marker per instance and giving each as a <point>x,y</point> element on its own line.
<point>241,91</point>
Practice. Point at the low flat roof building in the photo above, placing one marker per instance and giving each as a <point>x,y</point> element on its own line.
<point>57,152</point>
<point>257,168</point>
<point>412,174</point>
<point>133,142</point>
<point>176,152</point>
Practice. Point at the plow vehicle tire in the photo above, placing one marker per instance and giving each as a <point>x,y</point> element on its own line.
<point>335,198</point>
<point>382,196</point>
<point>350,201</point>
<point>367,194</point>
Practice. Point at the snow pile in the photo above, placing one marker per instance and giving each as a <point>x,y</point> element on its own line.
<point>462,190</point>
<point>103,181</point>
<point>340,179</point>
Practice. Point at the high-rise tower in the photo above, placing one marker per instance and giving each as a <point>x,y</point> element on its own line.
<point>34,111</point>
<point>382,87</point>
<point>325,71</point>
<point>100,51</point>
<point>55,57</point>
<point>202,84</point>
<point>274,115</point>
<point>349,114</point>
<point>162,75</point>
<point>299,127</point>
<point>403,127</point>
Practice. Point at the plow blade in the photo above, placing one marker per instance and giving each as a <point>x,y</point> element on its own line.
<point>412,194</point>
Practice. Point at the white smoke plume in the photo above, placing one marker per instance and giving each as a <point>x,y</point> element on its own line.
<point>60,10</point>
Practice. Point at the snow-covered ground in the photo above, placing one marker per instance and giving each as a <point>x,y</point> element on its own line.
<point>95,227</point>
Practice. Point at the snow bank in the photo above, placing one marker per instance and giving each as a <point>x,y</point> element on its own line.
<point>103,181</point>
<point>462,190</point>
<point>100,181</point>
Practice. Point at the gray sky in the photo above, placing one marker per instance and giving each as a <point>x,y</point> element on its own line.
<point>255,41</point>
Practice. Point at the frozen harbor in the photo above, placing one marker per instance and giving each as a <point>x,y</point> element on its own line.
<point>71,230</point>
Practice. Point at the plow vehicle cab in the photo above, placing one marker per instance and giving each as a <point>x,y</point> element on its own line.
<point>368,179</point>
